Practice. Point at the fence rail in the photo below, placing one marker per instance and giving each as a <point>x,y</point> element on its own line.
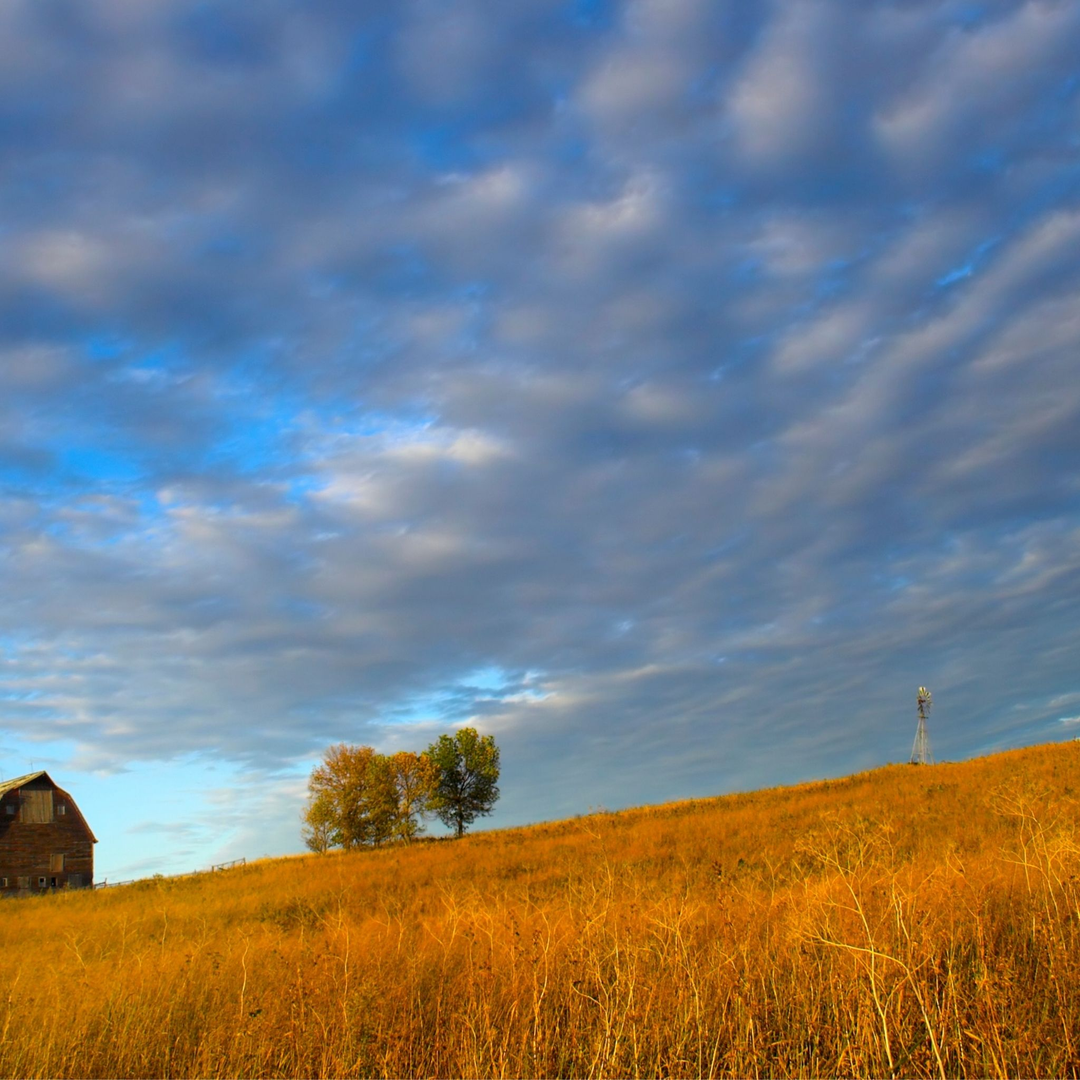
<point>228,865</point>
<point>106,884</point>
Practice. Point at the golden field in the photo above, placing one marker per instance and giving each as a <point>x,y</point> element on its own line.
<point>906,921</point>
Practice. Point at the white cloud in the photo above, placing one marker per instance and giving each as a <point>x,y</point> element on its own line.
<point>979,78</point>
<point>782,98</point>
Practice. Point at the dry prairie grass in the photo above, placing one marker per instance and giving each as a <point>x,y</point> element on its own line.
<point>902,922</point>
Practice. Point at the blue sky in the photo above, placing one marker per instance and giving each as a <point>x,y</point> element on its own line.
<point>666,387</point>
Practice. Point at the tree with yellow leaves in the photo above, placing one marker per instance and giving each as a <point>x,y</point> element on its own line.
<point>360,798</point>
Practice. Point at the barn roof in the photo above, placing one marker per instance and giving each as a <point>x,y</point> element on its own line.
<point>20,781</point>
<point>8,785</point>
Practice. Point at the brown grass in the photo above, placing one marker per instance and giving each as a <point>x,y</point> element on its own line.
<point>902,922</point>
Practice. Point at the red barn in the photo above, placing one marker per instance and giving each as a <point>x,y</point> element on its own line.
<point>45,842</point>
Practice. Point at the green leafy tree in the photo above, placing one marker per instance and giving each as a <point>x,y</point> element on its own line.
<point>468,785</point>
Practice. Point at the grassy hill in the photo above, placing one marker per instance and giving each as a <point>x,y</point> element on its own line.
<point>905,921</point>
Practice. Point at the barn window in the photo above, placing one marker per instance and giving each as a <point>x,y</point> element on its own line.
<point>61,809</point>
<point>41,882</point>
<point>5,883</point>
<point>52,882</point>
<point>10,808</point>
<point>56,863</point>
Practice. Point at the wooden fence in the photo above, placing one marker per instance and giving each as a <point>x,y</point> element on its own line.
<point>106,884</point>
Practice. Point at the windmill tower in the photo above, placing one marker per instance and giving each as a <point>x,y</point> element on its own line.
<point>920,752</point>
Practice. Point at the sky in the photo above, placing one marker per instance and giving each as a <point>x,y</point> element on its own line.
<point>668,388</point>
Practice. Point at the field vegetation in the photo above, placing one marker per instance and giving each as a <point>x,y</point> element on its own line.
<point>902,922</point>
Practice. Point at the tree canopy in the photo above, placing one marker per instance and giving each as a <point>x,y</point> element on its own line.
<point>468,777</point>
<point>357,797</point>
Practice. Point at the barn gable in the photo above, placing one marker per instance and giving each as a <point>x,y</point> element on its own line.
<point>45,842</point>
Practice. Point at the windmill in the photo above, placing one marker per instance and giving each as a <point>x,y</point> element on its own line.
<point>920,752</point>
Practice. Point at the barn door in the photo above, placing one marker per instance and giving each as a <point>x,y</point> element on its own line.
<point>37,806</point>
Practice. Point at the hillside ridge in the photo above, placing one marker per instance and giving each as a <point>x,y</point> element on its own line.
<point>905,920</point>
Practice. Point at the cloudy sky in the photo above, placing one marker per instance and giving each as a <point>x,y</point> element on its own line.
<point>668,387</point>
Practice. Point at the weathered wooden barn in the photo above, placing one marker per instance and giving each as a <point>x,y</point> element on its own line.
<point>45,843</point>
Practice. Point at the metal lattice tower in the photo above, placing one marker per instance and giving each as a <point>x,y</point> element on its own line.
<point>920,752</point>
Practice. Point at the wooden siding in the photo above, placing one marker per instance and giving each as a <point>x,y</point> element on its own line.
<point>42,848</point>
<point>37,806</point>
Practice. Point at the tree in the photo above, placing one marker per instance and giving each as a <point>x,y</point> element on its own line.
<point>468,765</point>
<point>352,799</point>
<point>358,797</point>
<point>415,779</point>
<point>319,830</point>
